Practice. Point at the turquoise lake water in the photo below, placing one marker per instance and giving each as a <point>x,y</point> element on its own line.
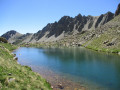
<point>76,64</point>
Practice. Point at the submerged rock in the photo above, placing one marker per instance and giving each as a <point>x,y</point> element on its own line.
<point>15,58</point>
<point>60,86</point>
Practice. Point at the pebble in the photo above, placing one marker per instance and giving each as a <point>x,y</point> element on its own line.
<point>60,86</point>
<point>118,53</point>
<point>10,74</point>
<point>11,79</point>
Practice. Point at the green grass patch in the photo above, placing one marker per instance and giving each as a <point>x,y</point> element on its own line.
<point>14,76</point>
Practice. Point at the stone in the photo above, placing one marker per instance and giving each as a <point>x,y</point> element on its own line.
<point>14,55</point>
<point>11,79</point>
<point>110,44</point>
<point>60,86</point>
<point>10,74</point>
<point>52,87</point>
<point>106,42</point>
<point>118,53</point>
<point>15,58</point>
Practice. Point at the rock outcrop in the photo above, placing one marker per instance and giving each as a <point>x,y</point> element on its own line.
<point>118,10</point>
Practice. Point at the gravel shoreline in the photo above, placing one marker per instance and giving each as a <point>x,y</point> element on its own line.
<point>59,82</point>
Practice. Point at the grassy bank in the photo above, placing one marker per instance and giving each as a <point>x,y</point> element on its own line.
<point>95,45</point>
<point>16,77</point>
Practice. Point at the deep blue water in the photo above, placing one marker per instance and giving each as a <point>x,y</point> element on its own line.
<point>100,68</point>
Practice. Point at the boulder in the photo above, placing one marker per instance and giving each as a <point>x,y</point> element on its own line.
<point>60,86</point>
<point>110,44</point>
<point>15,58</point>
<point>118,53</point>
<point>11,79</point>
<point>106,42</point>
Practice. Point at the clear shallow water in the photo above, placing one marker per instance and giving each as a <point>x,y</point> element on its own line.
<point>75,64</point>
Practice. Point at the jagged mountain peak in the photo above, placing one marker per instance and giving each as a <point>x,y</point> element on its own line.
<point>11,32</point>
<point>65,17</point>
<point>78,17</point>
<point>104,18</point>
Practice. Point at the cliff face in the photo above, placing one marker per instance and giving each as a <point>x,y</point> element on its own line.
<point>118,10</point>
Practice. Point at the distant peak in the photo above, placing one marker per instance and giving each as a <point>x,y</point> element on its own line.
<point>109,12</point>
<point>12,31</point>
<point>79,15</point>
<point>9,34</point>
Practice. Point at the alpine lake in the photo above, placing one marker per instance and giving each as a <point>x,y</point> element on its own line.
<point>73,68</point>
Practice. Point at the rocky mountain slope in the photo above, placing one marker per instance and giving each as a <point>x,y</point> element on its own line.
<point>58,30</point>
<point>15,37</point>
<point>104,38</point>
<point>25,38</point>
<point>68,25</point>
<point>12,36</point>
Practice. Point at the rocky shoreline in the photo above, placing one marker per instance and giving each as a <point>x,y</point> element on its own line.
<point>59,82</point>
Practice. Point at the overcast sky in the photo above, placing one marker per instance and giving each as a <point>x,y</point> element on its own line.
<point>32,15</point>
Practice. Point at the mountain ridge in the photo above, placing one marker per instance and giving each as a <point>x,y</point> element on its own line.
<point>58,30</point>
